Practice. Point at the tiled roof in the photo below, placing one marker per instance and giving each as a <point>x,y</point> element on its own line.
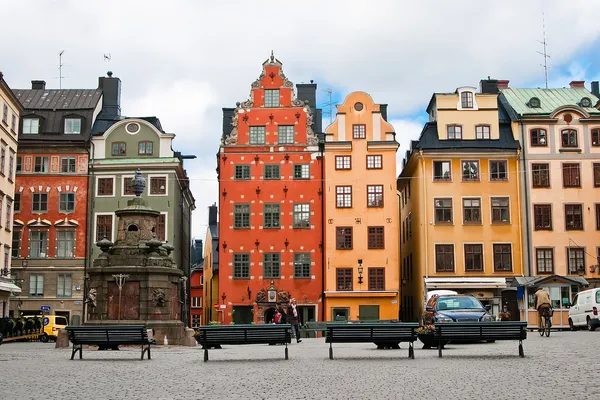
<point>429,140</point>
<point>550,99</point>
<point>52,99</point>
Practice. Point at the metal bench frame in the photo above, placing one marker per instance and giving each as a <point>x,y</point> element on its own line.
<point>76,331</point>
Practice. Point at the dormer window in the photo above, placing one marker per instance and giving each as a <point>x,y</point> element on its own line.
<point>72,126</point>
<point>585,102</point>
<point>466,99</point>
<point>119,149</point>
<point>31,126</point>
<point>145,148</point>
<point>534,102</point>
<point>454,131</point>
<point>271,97</point>
<point>482,132</point>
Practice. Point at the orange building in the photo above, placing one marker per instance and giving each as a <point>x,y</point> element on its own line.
<point>270,201</point>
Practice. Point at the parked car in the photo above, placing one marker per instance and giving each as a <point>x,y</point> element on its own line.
<point>584,310</point>
<point>52,324</point>
<point>455,308</point>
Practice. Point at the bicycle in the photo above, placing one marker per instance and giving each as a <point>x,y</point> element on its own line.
<point>546,322</point>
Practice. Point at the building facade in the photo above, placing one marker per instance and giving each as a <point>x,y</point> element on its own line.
<point>51,199</point>
<point>361,213</point>
<point>559,131</point>
<point>9,130</point>
<point>196,297</point>
<point>270,201</point>
<point>212,306</point>
<point>460,204</point>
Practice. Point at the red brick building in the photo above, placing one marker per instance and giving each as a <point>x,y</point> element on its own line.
<point>270,201</point>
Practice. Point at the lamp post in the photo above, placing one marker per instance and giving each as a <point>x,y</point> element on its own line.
<point>360,272</point>
<point>120,281</point>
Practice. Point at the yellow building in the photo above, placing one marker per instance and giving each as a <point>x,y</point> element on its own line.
<point>460,204</point>
<point>361,213</point>
<point>212,310</point>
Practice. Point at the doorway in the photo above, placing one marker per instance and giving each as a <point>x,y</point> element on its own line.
<point>509,302</point>
<point>306,314</point>
<point>368,313</point>
<point>340,314</point>
<point>242,315</point>
<point>270,316</point>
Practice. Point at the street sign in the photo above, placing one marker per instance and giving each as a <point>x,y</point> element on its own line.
<point>45,308</point>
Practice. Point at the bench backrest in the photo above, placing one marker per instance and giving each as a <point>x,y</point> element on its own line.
<point>119,334</point>
<point>242,334</point>
<point>482,330</point>
<point>367,331</point>
<point>316,325</point>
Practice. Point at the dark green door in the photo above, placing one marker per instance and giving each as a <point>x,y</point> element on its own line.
<point>368,313</point>
<point>242,315</point>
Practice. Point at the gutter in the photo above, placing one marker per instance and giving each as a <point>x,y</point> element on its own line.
<point>90,224</point>
<point>527,259</point>
<point>322,148</point>
<point>424,233</point>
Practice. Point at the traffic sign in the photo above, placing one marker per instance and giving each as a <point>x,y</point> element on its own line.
<point>44,308</point>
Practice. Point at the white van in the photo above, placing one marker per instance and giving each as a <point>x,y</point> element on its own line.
<point>584,310</point>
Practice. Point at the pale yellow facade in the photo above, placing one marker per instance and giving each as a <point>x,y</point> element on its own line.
<point>361,213</point>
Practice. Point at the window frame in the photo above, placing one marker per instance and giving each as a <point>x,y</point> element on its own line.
<point>242,216</point>
<point>72,120</point>
<point>160,230</point>
<point>442,178</point>
<point>298,221</point>
<point>473,254</point>
<point>573,216</point>
<point>596,174</point>
<point>359,131</point>
<point>373,192</point>
<point>562,138</point>
<point>37,285</point>
<point>30,125</point>
<point>595,137</point>
<point>341,195</point>
<point>302,260</point>
<point>537,208</point>
<point>17,203</point>
<point>344,239</point>
<point>545,259</point>
<point>68,164</point>
<point>538,134</point>
<point>268,170</point>
<point>579,257</point>
<point>154,188</point>
<point>301,168</point>
<point>376,278</point>
<point>500,209</point>
<point>39,203</point>
<point>346,278</point>
<point>499,177</point>
<point>574,174</point>
<point>446,254</point>
<point>98,186</point>
<point>502,255</point>
<point>41,241</point>
<point>376,237</point>
<point>101,226</point>
<point>454,135</point>
<point>343,162</point>
<point>543,172</point>
<point>467,99</point>
<point>477,176</point>
<point>269,214</point>
<point>45,164</point>
<point>121,149</point>
<point>256,133</point>
<point>374,161</point>
<point>144,144</point>
<point>483,136</point>
<point>66,202</point>
<point>242,169</point>
<point>443,208</point>
<point>271,264</point>
<point>285,132</point>
<point>597,207</point>
<point>270,96</point>
<point>241,266</point>
<point>65,241</point>
<point>470,209</point>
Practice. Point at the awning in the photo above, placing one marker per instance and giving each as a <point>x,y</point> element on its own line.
<point>9,287</point>
<point>465,282</point>
<point>538,280</point>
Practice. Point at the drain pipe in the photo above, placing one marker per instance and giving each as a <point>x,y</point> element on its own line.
<point>90,225</point>
<point>322,149</point>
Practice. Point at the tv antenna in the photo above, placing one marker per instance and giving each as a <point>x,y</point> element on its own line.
<point>107,57</point>
<point>328,106</point>
<point>60,65</point>
<point>545,53</point>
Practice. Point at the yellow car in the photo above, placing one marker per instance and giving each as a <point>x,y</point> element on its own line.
<point>51,323</point>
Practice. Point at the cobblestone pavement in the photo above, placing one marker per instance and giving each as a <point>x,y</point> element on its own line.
<point>562,366</point>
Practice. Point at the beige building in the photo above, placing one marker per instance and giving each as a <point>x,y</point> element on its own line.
<point>9,128</point>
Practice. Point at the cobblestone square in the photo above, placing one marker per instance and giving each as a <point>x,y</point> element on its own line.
<point>562,366</point>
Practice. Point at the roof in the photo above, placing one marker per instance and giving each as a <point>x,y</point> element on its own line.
<point>429,140</point>
<point>10,93</point>
<point>57,99</point>
<point>102,125</point>
<point>550,99</point>
<point>130,161</point>
<point>536,280</point>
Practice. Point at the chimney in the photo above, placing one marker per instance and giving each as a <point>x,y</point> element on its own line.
<point>227,117</point>
<point>577,84</point>
<point>383,111</point>
<point>111,96</point>
<point>212,215</point>
<point>595,89</point>
<point>198,251</point>
<point>502,84</point>
<point>488,86</point>
<point>308,91</point>
<point>38,85</point>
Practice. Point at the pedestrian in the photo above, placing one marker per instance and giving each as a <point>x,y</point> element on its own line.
<point>294,318</point>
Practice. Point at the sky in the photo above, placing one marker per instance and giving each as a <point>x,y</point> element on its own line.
<point>184,60</point>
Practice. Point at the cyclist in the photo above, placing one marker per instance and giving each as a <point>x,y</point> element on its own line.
<point>542,304</point>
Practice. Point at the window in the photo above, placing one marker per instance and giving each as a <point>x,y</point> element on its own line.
<point>376,278</point>
<point>409,224</point>
<point>466,100</point>
<point>128,186</point>
<point>196,302</point>
<point>500,210</point>
<point>443,211</point>
<point>542,217</point>
<point>374,195</point>
<point>272,171</point>
<point>271,265</point>
<point>343,238</point>
<point>16,243</point>
<point>72,126</point>
<point>502,257</point>
<point>285,134</point>
<point>498,170</point>
<point>161,227</point>
<point>472,211</point>
<point>119,149</point>
<point>540,175</point>
<point>359,131</point>
<point>534,102</point>
<point>11,165</point>
<point>538,137</point>
<point>473,257</point>
<point>544,260</point>
<point>41,164</point>
<point>343,162</point>
<point>568,138</point>
<point>36,285</point>
<point>8,214</point>
<point>6,257</point>
<point>257,135</point>
<point>241,216</point>
<point>343,279</point>
<point>19,163</point>
<point>343,196</point>
<point>376,238</point>
<point>104,227</point>
<point>442,171</point>
<point>571,175</point>
<point>145,148</point>
<point>38,243</point>
<point>302,171</point>
<point>196,319</point>
<point>158,185</point>
<point>64,285</point>
<point>13,123</point>
<point>470,170</point>
<point>66,202</point>
<point>242,172</point>
<point>454,131</point>
<point>31,126</point>
<point>444,258</point>
<point>482,132</point>
<point>375,162</point>
<point>596,169</point>
<point>598,217</point>
<point>241,266</point>
<point>271,97</point>
<point>302,265</point>
<point>271,216</point>
<point>574,217</point>
<point>39,202</point>
<point>596,137</point>
<point>65,243</point>
<point>2,160</point>
<point>105,186</point>
<point>576,257</point>
<point>302,215</point>
<point>5,114</point>
<point>67,164</point>
<point>17,202</point>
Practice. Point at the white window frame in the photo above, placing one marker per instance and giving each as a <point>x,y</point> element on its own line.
<point>73,121</point>
<point>96,215</point>
<point>28,123</point>
<point>98,177</point>
<point>74,242</point>
<point>123,177</point>
<point>166,176</point>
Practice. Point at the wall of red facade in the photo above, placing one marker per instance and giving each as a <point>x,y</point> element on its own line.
<point>196,310</point>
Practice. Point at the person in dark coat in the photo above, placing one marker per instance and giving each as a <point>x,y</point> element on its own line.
<point>294,318</point>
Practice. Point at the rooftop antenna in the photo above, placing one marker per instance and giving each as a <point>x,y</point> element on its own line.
<point>107,57</point>
<point>60,65</point>
<point>328,107</point>
<point>545,53</point>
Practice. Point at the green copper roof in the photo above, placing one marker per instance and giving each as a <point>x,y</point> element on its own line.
<point>133,161</point>
<point>550,100</point>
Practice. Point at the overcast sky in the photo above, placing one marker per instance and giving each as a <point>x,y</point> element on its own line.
<point>183,60</point>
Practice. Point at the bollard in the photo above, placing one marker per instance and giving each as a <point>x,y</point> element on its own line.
<point>62,339</point>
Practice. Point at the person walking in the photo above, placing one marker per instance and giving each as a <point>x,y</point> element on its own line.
<point>294,318</point>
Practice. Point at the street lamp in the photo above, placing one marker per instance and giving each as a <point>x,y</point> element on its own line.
<point>120,281</point>
<point>360,271</point>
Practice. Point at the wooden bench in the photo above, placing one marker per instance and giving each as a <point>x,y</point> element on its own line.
<point>313,326</point>
<point>372,333</point>
<point>108,336</point>
<point>479,331</point>
<point>210,336</point>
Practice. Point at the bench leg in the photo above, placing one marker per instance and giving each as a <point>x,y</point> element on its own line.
<point>440,348</point>
<point>205,354</point>
<point>411,350</point>
<point>521,353</point>
<point>331,351</point>
<point>76,348</point>
<point>149,357</point>
<point>286,351</point>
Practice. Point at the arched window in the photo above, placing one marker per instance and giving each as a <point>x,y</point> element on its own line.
<point>568,138</point>
<point>596,137</point>
<point>466,99</point>
<point>538,137</point>
<point>534,102</point>
<point>585,102</point>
